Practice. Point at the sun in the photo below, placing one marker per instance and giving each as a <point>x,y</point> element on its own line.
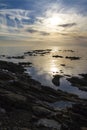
<point>54,20</point>
<point>51,22</point>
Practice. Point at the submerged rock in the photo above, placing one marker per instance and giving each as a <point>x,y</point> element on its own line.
<point>63,65</point>
<point>68,51</point>
<point>72,58</point>
<point>56,80</point>
<point>81,83</point>
<point>57,56</point>
<point>38,52</point>
<point>15,57</point>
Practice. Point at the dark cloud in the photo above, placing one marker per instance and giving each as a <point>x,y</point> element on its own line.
<point>67,25</point>
<point>31,30</point>
<point>64,34</point>
<point>44,33</point>
<point>36,31</point>
<point>80,37</point>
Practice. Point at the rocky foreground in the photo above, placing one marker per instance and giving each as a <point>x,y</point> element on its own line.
<point>27,105</point>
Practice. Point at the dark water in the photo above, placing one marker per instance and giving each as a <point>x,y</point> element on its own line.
<point>61,104</point>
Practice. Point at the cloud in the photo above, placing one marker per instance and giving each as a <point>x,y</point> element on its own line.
<point>80,37</point>
<point>38,21</point>
<point>44,33</point>
<point>3,6</point>
<point>68,25</point>
<point>31,30</point>
<point>12,20</point>
<point>39,32</point>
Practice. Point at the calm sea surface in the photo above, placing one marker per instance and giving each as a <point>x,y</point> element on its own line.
<point>44,67</point>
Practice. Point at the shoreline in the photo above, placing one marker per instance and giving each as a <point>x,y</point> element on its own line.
<point>26,104</point>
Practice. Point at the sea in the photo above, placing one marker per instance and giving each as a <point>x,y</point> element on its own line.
<point>44,67</point>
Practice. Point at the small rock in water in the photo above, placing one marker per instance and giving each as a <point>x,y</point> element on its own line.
<point>57,56</point>
<point>72,58</point>
<point>56,80</point>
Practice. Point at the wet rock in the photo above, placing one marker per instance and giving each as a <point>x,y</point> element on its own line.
<point>72,58</point>
<point>24,103</point>
<point>57,56</point>
<point>37,52</point>
<point>14,128</point>
<point>81,83</point>
<point>61,71</point>
<point>41,111</point>
<point>15,68</point>
<point>63,65</point>
<point>2,110</point>
<point>49,124</point>
<point>5,76</point>
<point>15,57</point>
<point>84,128</point>
<point>25,64</point>
<point>78,112</point>
<point>67,75</point>
<point>84,76</point>
<point>69,51</point>
<point>2,56</point>
<point>15,97</point>
<point>59,105</point>
<point>56,80</point>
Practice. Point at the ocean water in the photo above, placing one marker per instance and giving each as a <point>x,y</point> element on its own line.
<point>44,67</point>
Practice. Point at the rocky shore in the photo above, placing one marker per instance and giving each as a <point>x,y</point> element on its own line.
<point>27,105</point>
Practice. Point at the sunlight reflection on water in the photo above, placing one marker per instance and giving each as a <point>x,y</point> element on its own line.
<point>44,67</point>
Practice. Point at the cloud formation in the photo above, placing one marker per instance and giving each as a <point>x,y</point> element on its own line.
<point>43,19</point>
<point>68,25</point>
<point>36,31</point>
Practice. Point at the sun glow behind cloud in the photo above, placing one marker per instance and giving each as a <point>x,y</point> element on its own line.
<point>55,21</point>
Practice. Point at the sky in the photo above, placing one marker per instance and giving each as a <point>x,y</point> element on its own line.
<point>62,21</point>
